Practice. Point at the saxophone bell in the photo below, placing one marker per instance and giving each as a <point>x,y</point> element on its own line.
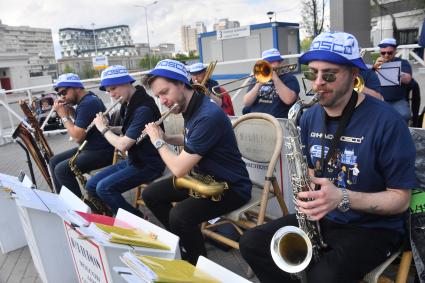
<point>291,249</point>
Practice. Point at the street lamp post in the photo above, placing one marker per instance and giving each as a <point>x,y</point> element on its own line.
<point>145,7</point>
<point>94,38</point>
<point>270,15</point>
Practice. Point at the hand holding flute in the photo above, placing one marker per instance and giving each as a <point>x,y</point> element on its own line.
<point>100,121</point>
<point>157,123</point>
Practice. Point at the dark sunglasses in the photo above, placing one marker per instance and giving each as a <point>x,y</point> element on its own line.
<point>383,53</point>
<point>327,77</point>
<point>63,92</point>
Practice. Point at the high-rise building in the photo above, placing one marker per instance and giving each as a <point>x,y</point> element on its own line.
<point>110,41</point>
<point>189,37</point>
<point>200,27</point>
<point>225,24</point>
<point>27,52</point>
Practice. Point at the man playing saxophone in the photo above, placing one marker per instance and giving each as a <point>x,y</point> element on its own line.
<point>209,149</point>
<point>276,96</point>
<point>98,153</point>
<point>363,157</point>
<point>143,164</point>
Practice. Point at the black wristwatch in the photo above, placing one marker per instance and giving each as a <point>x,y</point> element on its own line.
<point>344,205</point>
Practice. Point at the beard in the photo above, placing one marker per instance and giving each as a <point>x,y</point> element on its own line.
<point>333,96</point>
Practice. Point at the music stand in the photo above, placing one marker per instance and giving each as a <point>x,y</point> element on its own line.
<point>389,74</point>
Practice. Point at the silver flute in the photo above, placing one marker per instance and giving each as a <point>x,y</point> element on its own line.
<point>92,124</point>
<point>159,122</point>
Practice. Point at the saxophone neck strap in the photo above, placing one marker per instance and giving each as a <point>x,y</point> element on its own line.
<point>347,113</point>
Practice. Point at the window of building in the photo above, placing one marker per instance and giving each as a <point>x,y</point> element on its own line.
<point>408,36</point>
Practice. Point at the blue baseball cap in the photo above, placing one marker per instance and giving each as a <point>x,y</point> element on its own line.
<point>196,68</point>
<point>271,55</point>
<point>335,47</point>
<point>388,42</point>
<point>115,75</point>
<point>171,69</point>
<point>68,80</point>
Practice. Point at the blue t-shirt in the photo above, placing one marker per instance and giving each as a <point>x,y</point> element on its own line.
<point>143,154</point>
<point>395,93</point>
<point>375,152</point>
<point>371,79</point>
<point>268,101</point>
<point>85,113</point>
<point>209,133</point>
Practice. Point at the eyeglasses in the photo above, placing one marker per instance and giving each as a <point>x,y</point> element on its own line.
<point>327,77</point>
<point>383,53</point>
<point>63,92</point>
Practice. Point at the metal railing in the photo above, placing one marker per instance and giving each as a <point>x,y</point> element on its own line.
<point>9,97</point>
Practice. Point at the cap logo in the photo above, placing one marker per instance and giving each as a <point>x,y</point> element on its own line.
<point>114,72</point>
<point>172,64</point>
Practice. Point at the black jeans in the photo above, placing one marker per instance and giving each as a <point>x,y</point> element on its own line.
<point>185,218</point>
<point>87,161</point>
<point>352,251</point>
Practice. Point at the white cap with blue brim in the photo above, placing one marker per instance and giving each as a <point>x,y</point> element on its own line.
<point>115,75</point>
<point>335,47</point>
<point>171,69</point>
<point>68,80</point>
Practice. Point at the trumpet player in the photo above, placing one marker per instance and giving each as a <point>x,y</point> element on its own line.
<point>276,96</point>
<point>197,72</point>
<point>98,152</point>
<point>396,95</point>
<point>143,164</point>
<point>209,147</point>
<point>365,182</point>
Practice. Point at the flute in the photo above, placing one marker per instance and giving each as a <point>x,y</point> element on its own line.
<point>92,124</point>
<point>159,122</point>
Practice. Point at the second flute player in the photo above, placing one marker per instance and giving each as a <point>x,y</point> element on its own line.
<point>144,163</point>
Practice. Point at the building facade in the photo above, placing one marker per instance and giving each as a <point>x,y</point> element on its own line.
<point>189,36</point>
<point>109,41</point>
<point>400,19</point>
<point>225,24</point>
<point>26,55</point>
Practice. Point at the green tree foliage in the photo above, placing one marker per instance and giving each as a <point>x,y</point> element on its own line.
<point>68,69</point>
<point>305,44</point>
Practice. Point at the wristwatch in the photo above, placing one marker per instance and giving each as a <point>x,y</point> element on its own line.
<point>65,119</point>
<point>159,143</point>
<point>344,205</point>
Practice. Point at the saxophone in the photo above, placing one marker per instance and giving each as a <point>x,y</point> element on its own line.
<point>201,186</point>
<point>292,248</point>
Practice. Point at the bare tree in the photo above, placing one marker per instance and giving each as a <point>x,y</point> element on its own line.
<point>313,12</point>
<point>384,10</point>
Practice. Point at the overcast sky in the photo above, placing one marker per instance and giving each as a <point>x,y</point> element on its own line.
<point>164,18</point>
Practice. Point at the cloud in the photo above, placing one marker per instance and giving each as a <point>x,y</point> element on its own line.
<point>164,18</point>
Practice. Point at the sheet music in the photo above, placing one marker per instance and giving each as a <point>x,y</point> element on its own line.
<point>389,73</point>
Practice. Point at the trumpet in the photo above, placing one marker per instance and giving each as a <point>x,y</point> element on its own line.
<point>92,124</point>
<point>159,122</point>
<point>263,72</point>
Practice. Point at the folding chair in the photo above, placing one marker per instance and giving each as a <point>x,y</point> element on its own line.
<point>260,139</point>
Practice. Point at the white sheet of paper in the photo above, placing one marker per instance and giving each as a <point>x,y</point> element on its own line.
<point>389,74</point>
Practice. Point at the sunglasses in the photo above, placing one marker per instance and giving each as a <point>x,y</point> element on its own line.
<point>327,77</point>
<point>383,53</point>
<point>63,92</point>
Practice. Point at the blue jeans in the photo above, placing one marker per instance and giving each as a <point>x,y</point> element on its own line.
<point>87,161</point>
<point>402,107</point>
<point>116,179</point>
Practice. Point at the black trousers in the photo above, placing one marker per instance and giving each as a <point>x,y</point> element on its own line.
<point>87,161</point>
<point>185,218</point>
<point>352,252</point>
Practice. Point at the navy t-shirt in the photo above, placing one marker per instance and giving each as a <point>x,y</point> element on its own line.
<point>85,113</point>
<point>209,133</point>
<point>375,152</point>
<point>371,80</point>
<point>268,101</point>
<point>395,93</point>
<point>143,154</point>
